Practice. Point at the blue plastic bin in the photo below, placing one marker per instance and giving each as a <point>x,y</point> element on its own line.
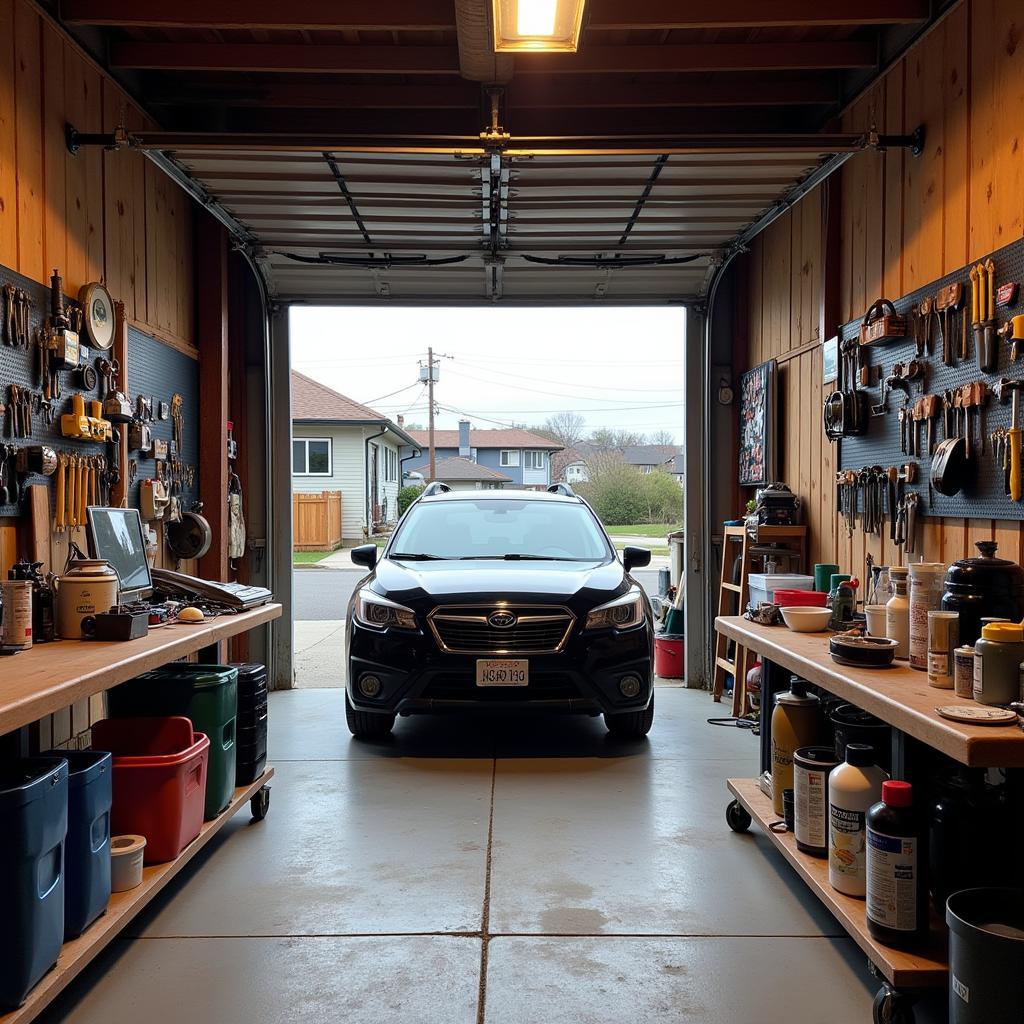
<point>33,823</point>
<point>87,847</point>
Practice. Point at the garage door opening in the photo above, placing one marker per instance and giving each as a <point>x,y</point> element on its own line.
<point>523,398</point>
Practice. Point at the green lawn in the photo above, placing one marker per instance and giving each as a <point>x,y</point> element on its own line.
<point>642,530</point>
<point>653,550</point>
<point>308,557</point>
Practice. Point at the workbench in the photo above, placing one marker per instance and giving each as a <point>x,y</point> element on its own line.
<point>51,676</point>
<point>901,697</point>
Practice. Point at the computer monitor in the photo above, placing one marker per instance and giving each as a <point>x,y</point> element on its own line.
<point>115,535</point>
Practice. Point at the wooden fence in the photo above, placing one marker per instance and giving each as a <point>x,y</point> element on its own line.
<point>317,521</point>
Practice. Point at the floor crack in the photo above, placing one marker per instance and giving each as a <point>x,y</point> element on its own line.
<point>485,921</point>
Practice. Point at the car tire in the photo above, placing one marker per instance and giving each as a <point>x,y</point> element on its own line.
<point>631,724</point>
<point>367,725</point>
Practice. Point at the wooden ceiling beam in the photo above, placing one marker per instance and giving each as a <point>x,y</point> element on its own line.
<point>531,92</point>
<point>368,15</point>
<point>296,58</point>
<point>412,60</point>
<point>702,14</point>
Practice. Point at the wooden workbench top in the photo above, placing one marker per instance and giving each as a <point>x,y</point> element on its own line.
<point>51,676</point>
<point>899,695</point>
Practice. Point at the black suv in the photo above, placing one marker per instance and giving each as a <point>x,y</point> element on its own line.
<point>499,599</point>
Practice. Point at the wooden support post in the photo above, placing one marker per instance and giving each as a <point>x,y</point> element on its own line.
<point>212,333</point>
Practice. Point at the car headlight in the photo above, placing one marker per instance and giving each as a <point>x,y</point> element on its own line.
<point>379,612</point>
<point>622,613</point>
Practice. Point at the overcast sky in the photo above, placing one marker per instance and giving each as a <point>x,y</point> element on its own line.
<point>615,366</point>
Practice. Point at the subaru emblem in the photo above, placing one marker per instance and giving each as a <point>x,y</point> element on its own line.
<point>501,619</point>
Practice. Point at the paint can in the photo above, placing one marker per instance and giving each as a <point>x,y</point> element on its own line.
<point>811,767</point>
<point>963,676</point>
<point>16,620</point>
<point>943,638</point>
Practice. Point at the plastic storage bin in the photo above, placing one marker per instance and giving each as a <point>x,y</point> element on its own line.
<point>762,586</point>
<point>33,823</point>
<point>205,694</point>
<point>251,737</point>
<point>87,847</point>
<point>159,781</point>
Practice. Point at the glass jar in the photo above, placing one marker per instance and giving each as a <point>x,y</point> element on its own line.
<point>925,596</point>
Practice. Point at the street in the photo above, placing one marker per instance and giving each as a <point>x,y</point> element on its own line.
<point>323,594</point>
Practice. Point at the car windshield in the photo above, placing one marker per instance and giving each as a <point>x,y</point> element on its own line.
<point>500,528</point>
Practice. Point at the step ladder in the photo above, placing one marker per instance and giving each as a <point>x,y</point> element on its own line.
<point>733,599</point>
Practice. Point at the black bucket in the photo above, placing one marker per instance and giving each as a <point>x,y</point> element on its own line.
<point>851,725</point>
<point>986,956</point>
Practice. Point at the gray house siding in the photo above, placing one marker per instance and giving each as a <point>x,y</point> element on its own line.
<point>521,474</point>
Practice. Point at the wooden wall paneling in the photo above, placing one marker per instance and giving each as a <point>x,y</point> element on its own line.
<point>28,140</point>
<point>755,286</point>
<point>118,211</point>
<point>55,231</point>
<point>894,162</point>
<point>135,189</point>
<point>8,130</point>
<point>159,248</point>
<point>956,138</point>
<point>855,189</point>
<point>8,548</point>
<point>875,215</point>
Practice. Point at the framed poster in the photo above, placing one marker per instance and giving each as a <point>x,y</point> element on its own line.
<point>757,425</point>
<point>830,360</point>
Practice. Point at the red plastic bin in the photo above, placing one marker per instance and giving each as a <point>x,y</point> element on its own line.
<point>800,598</point>
<point>159,781</point>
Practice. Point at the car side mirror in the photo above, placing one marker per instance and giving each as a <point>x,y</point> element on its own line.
<point>365,554</point>
<point>632,558</point>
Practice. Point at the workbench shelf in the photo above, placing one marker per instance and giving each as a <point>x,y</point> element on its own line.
<point>76,955</point>
<point>926,969</point>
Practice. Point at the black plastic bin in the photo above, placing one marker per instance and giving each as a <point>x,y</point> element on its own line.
<point>986,956</point>
<point>87,847</point>
<point>251,741</point>
<point>33,824</point>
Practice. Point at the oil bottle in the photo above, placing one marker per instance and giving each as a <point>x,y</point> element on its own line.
<point>796,722</point>
<point>853,788</point>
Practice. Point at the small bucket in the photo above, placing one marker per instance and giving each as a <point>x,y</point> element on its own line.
<point>668,657</point>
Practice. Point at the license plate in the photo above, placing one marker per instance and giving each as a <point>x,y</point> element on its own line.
<point>502,672</point>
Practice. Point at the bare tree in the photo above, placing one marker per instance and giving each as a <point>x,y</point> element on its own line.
<point>567,428</point>
<point>665,437</point>
<point>606,438</point>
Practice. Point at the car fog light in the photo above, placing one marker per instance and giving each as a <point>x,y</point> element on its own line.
<point>369,686</point>
<point>629,686</point>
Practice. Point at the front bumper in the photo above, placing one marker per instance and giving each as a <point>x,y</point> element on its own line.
<point>418,677</point>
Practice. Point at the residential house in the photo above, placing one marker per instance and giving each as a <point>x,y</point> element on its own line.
<point>466,475</point>
<point>676,467</point>
<point>524,458</point>
<point>340,445</point>
<point>570,466</point>
<point>649,457</point>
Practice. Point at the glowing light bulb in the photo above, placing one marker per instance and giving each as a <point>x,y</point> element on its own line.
<point>536,17</point>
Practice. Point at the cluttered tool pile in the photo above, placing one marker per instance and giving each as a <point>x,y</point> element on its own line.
<point>926,409</point>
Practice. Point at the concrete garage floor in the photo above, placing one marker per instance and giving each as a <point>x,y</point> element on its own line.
<point>527,871</point>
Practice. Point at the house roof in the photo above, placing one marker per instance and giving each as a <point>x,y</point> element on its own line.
<point>497,438</point>
<point>313,402</point>
<point>464,469</point>
<point>560,461</point>
<point>650,454</point>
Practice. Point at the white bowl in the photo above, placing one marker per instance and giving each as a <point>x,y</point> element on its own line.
<point>806,620</point>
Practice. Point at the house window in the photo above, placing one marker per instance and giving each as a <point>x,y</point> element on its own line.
<point>534,460</point>
<point>312,456</point>
<point>510,457</point>
<point>390,465</point>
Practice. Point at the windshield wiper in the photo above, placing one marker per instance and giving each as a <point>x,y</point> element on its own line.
<point>514,556</point>
<point>417,556</point>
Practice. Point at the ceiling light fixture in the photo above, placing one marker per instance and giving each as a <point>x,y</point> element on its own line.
<point>537,25</point>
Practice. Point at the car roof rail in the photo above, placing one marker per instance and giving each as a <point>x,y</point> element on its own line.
<point>561,488</point>
<point>436,487</point>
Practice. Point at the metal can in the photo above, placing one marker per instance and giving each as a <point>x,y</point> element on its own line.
<point>943,639</point>
<point>16,623</point>
<point>963,675</point>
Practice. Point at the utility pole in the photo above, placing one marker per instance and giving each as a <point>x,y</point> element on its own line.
<point>430,412</point>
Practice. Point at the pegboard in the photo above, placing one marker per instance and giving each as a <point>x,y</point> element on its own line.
<point>985,496</point>
<point>157,371</point>
<point>19,366</point>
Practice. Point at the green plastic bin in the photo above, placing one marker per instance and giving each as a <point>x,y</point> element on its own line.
<point>206,694</point>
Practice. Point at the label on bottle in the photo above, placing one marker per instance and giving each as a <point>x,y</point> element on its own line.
<point>939,665</point>
<point>810,805</point>
<point>846,843</point>
<point>892,881</point>
<point>978,661</point>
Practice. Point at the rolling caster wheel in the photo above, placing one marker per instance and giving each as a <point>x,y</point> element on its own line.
<point>891,1007</point>
<point>260,804</point>
<point>737,817</point>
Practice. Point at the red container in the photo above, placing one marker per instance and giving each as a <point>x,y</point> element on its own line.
<point>159,781</point>
<point>668,657</point>
<point>800,599</point>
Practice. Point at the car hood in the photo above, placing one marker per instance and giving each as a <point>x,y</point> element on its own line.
<point>487,579</point>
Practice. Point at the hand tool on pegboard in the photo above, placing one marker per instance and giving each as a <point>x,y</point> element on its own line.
<point>10,323</point>
<point>948,301</point>
<point>1011,388</point>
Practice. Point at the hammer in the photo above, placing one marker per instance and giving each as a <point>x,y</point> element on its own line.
<point>1013,434</point>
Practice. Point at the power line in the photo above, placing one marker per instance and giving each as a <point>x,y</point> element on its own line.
<point>538,391</point>
<point>390,394</point>
<point>592,387</point>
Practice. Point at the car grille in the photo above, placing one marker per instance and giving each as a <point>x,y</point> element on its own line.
<point>539,629</point>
